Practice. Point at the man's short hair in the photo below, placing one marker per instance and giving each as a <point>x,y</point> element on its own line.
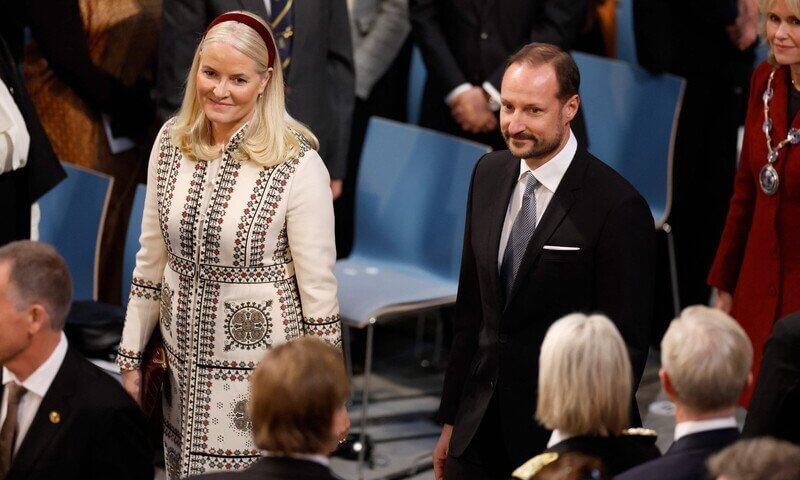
<point>584,377</point>
<point>38,275</point>
<point>762,458</point>
<point>296,389</point>
<point>707,357</point>
<point>567,73</point>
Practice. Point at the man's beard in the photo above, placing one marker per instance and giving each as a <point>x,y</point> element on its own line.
<point>540,148</point>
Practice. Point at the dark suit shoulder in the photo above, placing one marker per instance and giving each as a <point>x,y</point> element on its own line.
<point>96,388</point>
<point>608,182</point>
<point>686,457</point>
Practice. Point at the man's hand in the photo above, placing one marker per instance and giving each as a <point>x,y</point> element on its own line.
<point>724,301</point>
<point>132,383</point>
<point>471,111</point>
<point>336,187</point>
<point>440,451</point>
<point>744,31</point>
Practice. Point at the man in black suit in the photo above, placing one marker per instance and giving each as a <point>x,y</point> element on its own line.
<point>21,187</point>
<point>550,230</point>
<point>465,44</point>
<point>61,416</point>
<point>705,364</point>
<point>774,410</point>
<point>317,54</point>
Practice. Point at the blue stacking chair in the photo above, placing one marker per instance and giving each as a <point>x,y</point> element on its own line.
<point>72,220</point>
<point>631,119</point>
<point>416,86</point>
<point>132,241</point>
<point>411,196</point>
<point>626,40</point>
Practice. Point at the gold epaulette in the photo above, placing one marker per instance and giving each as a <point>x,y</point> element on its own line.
<point>642,432</point>
<point>532,466</point>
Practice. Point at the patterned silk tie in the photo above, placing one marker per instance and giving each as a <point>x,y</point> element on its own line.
<point>283,29</point>
<point>8,434</point>
<point>521,233</point>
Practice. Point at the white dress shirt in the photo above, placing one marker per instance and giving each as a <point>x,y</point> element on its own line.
<point>687,428</point>
<point>36,387</point>
<point>14,138</point>
<point>549,176</point>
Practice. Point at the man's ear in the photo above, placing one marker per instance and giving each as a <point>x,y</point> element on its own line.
<point>666,383</point>
<point>570,108</point>
<point>39,319</point>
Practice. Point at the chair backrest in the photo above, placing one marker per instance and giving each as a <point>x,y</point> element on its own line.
<point>411,196</point>
<point>626,40</point>
<point>631,118</point>
<point>416,86</point>
<point>132,241</point>
<point>72,218</point>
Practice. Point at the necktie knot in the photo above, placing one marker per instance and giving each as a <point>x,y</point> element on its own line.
<point>530,184</point>
<point>15,392</point>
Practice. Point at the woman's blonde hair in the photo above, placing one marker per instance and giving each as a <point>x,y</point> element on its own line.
<point>584,377</point>
<point>271,134</point>
<point>763,9</point>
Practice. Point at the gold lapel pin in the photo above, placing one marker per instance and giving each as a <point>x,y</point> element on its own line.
<point>55,417</point>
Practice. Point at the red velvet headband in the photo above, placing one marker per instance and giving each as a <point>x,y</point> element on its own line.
<point>251,22</point>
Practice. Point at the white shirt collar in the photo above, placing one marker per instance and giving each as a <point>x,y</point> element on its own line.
<point>39,381</point>
<point>687,428</point>
<point>551,173</point>
<point>557,437</point>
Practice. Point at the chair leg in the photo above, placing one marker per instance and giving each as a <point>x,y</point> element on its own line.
<point>438,342</point>
<point>346,350</point>
<point>365,397</point>
<point>420,337</point>
<point>673,269</point>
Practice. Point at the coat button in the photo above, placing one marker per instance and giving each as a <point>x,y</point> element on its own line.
<point>484,35</point>
<point>491,384</point>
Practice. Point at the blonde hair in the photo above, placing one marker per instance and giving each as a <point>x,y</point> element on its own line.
<point>763,8</point>
<point>271,134</point>
<point>296,390</point>
<point>707,357</point>
<point>584,377</point>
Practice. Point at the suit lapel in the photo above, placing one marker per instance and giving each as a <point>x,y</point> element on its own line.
<point>44,429</point>
<point>556,210</point>
<point>504,185</point>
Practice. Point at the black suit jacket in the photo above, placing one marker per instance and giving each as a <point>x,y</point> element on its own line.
<point>469,41</point>
<point>496,343</point>
<point>274,468</point>
<point>99,432</point>
<point>774,410</point>
<point>617,453</point>
<point>20,188</point>
<point>321,80</point>
<point>686,458</point>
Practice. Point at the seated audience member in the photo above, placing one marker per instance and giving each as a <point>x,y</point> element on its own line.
<point>567,466</point>
<point>775,409</point>
<point>757,459</point>
<point>585,393</point>
<point>705,364</point>
<point>297,407</point>
<point>62,417</point>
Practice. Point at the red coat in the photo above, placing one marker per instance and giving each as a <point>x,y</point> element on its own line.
<point>758,259</point>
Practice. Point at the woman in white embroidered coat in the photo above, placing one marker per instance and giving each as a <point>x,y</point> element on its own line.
<point>237,246</point>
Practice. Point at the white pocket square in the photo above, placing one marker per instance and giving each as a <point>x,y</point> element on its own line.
<point>560,248</point>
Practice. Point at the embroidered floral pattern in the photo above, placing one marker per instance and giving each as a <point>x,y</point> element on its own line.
<point>128,359</point>
<point>328,328</point>
<point>248,325</point>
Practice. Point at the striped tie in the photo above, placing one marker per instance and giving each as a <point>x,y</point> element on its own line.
<point>283,28</point>
<point>521,233</point>
<point>8,433</point>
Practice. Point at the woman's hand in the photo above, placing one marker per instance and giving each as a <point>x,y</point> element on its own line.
<point>132,383</point>
<point>724,301</point>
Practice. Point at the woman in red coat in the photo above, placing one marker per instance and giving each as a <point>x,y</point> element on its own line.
<point>757,266</point>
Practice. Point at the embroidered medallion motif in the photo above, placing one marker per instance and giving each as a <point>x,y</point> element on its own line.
<point>248,325</point>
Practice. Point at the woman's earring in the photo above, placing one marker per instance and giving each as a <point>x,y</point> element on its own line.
<point>260,95</point>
